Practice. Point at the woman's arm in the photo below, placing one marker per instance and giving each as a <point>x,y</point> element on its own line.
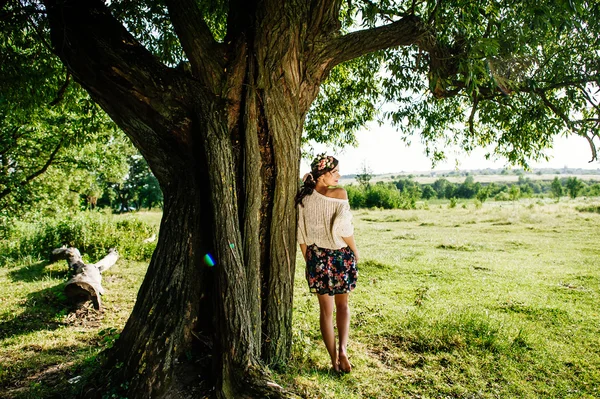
<point>303,249</point>
<point>350,241</point>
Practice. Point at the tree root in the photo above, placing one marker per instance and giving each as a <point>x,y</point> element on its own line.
<point>257,382</point>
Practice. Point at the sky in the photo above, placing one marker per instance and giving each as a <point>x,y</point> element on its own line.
<point>380,148</point>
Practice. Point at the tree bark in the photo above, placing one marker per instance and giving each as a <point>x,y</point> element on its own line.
<point>172,306</point>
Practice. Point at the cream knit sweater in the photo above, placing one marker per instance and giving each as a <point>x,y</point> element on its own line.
<point>324,221</point>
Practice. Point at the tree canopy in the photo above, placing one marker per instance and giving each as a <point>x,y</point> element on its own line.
<point>56,144</point>
<point>506,75</point>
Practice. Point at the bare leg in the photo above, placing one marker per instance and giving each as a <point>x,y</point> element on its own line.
<point>326,321</point>
<point>342,317</point>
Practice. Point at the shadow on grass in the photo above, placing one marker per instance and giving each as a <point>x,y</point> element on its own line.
<point>48,373</point>
<point>465,331</point>
<point>37,271</point>
<point>41,312</point>
<point>373,267</point>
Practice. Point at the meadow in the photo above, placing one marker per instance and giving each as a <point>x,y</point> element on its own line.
<point>499,300</point>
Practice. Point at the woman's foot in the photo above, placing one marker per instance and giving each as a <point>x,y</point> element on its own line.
<point>335,365</point>
<point>344,364</point>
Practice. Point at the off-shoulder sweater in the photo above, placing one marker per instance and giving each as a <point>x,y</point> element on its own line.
<point>324,221</point>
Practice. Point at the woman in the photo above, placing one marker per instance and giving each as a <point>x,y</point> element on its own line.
<point>326,238</point>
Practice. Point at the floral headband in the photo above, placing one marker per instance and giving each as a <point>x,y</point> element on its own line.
<point>322,161</point>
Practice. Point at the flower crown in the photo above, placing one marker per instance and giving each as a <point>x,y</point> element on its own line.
<point>322,161</point>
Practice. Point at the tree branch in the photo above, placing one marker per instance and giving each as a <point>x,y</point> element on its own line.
<point>61,92</point>
<point>206,56</point>
<point>324,17</point>
<point>434,12</point>
<point>472,116</point>
<point>557,112</point>
<point>46,165</point>
<point>406,31</point>
<point>568,122</point>
<point>12,142</point>
<point>148,100</point>
<point>589,99</point>
<point>35,174</point>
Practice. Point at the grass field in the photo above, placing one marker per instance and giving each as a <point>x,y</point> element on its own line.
<point>500,301</point>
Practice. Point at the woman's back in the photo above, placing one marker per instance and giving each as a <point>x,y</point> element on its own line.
<point>324,220</point>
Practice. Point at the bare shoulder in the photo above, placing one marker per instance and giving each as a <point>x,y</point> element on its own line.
<point>338,193</point>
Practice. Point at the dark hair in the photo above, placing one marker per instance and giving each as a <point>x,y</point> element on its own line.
<point>318,167</point>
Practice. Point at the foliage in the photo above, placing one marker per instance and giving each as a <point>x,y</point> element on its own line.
<point>574,186</point>
<point>514,192</point>
<point>525,187</point>
<point>55,142</point>
<point>428,192</point>
<point>356,196</point>
<point>382,196</point>
<point>502,196</point>
<point>593,190</point>
<point>452,203</point>
<point>385,196</point>
<point>483,194</point>
<point>347,101</point>
<point>410,191</point>
<point>515,76</point>
<point>93,233</point>
<point>467,189</point>
<point>557,188</point>
<point>139,189</point>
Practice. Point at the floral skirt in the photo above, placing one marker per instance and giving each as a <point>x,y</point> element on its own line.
<point>330,271</point>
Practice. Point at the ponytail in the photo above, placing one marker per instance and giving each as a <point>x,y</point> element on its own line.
<point>307,188</point>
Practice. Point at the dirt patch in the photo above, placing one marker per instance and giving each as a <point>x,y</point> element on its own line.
<point>85,316</point>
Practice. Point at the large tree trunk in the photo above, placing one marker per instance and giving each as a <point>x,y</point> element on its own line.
<point>228,170</point>
<point>172,305</point>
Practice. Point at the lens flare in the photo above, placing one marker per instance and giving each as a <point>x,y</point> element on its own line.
<point>208,260</point>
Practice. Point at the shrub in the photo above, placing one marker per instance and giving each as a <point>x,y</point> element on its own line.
<point>93,233</point>
<point>383,196</point>
<point>502,196</point>
<point>593,190</point>
<point>574,186</point>
<point>356,196</point>
<point>589,208</point>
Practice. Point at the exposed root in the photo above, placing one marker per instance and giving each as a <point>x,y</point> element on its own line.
<point>258,383</point>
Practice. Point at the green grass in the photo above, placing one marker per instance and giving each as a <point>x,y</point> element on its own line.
<point>496,301</point>
<point>500,301</point>
<point>42,343</point>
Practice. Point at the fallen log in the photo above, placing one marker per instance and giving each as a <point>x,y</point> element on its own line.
<point>86,279</point>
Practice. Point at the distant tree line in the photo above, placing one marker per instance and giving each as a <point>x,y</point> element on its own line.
<point>404,193</point>
<point>137,190</point>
